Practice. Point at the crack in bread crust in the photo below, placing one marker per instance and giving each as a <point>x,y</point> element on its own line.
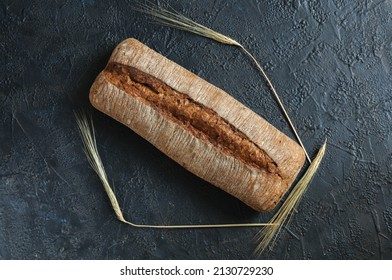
<point>198,119</point>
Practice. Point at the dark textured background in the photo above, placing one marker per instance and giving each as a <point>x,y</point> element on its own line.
<point>330,61</point>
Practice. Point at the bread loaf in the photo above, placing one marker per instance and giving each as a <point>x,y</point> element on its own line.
<point>197,124</point>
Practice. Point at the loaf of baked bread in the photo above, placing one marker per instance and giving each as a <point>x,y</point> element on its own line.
<point>198,125</point>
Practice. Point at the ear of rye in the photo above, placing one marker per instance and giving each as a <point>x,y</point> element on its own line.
<point>267,237</point>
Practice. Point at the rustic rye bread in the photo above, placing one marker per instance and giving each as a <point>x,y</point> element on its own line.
<point>198,125</point>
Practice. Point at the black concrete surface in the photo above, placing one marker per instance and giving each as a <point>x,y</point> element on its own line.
<point>330,61</point>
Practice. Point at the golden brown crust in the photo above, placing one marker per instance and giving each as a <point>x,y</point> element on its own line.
<point>203,122</point>
<point>198,125</point>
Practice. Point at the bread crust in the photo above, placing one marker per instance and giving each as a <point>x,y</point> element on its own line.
<point>259,186</point>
